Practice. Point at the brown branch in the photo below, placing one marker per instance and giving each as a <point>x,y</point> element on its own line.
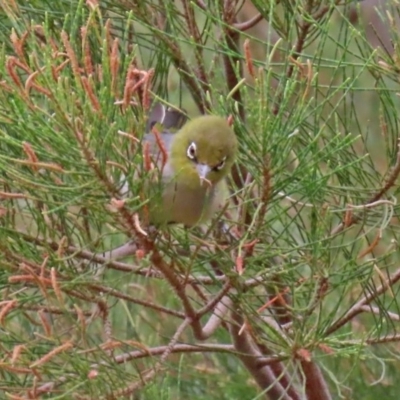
<point>244,26</point>
<point>284,379</point>
<point>250,356</point>
<point>316,387</point>
<point>282,375</point>
<point>179,288</point>
<point>217,317</point>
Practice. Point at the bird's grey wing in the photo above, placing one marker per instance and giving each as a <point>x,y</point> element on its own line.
<point>157,115</point>
<point>174,119</point>
<point>166,138</point>
<point>157,154</point>
<point>169,118</point>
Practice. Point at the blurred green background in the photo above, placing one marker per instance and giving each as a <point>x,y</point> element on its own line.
<point>321,108</point>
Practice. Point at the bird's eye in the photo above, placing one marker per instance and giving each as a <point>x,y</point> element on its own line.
<point>191,151</point>
<point>220,165</point>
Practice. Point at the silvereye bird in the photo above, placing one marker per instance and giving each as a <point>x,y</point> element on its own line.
<point>199,157</point>
<point>200,154</point>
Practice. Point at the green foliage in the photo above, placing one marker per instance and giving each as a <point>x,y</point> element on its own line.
<point>309,271</point>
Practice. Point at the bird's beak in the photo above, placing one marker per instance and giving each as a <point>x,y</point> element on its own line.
<point>203,170</point>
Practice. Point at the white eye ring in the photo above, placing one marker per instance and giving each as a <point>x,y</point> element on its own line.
<point>221,165</point>
<point>191,151</point>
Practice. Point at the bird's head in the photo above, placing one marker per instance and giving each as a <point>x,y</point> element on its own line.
<point>203,151</point>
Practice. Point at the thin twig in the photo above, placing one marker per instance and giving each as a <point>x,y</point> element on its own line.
<point>178,348</point>
<point>244,26</point>
<point>390,182</point>
<point>124,392</point>
<point>125,267</point>
<point>175,282</point>
<point>358,307</point>
<point>194,35</point>
<point>156,351</point>
<point>384,339</point>
<point>303,29</point>
<point>215,300</point>
<point>123,296</point>
<point>377,311</point>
